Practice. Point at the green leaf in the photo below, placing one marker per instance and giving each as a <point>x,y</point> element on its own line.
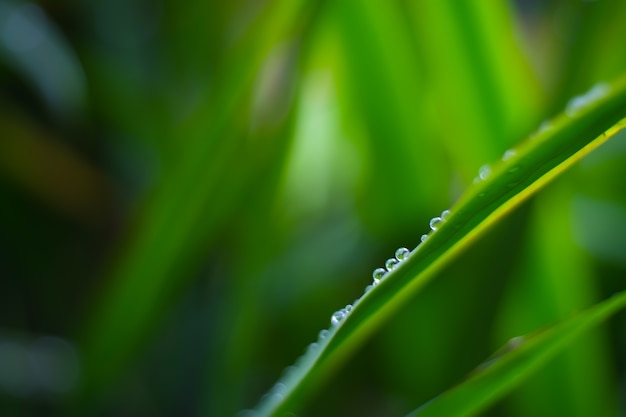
<point>515,362</point>
<point>547,153</point>
<point>389,95</point>
<point>194,199</point>
<point>479,77</point>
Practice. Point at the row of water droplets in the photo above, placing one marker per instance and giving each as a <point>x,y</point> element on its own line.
<point>379,274</point>
<point>401,255</point>
<point>577,103</point>
<point>573,107</point>
<point>485,170</point>
<point>279,390</point>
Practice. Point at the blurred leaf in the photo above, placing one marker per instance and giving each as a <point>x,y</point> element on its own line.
<point>517,360</point>
<point>583,27</point>
<point>52,172</point>
<point>483,88</point>
<point>217,166</point>
<point>38,51</point>
<point>382,80</point>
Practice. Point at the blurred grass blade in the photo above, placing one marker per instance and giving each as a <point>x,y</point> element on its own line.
<point>518,360</point>
<point>191,203</point>
<point>479,77</point>
<point>589,121</point>
<point>389,95</point>
<point>590,23</point>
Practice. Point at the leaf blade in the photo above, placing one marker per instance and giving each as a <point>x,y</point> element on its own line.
<point>535,163</point>
<point>503,373</point>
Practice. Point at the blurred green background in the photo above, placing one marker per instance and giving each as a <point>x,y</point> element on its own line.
<point>190,189</point>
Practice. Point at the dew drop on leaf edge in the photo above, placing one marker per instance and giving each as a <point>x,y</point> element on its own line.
<point>579,102</point>
<point>434,223</point>
<point>508,154</point>
<point>337,317</point>
<point>484,172</point>
<point>544,126</point>
<point>288,371</point>
<point>379,273</point>
<point>391,264</point>
<point>402,254</point>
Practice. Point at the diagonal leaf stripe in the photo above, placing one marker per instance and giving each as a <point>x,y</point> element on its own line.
<point>558,144</point>
<point>518,360</point>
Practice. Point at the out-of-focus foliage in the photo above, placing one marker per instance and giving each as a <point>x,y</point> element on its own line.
<point>190,189</point>
<point>512,364</point>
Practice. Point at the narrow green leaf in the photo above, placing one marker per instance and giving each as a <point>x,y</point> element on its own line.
<point>479,77</point>
<point>390,97</point>
<point>515,362</point>
<point>546,154</point>
<point>190,204</point>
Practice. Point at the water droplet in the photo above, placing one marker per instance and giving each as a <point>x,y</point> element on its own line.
<point>323,334</point>
<point>599,90</point>
<point>424,237</point>
<point>265,397</point>
<point>434,223</point>
<point>301,361</point>
<point>510,153</point>
<point>277,396</point>
<point>369,287</point>
<point>579,102</point>
<point>378,274</point>
<point>544,127</point>
<point>312,348</point>
<point>288,371</point>
<point>279,387</point>
<point>574,105</point>
<point>445,214</point>
<point>337,316</point>
<point>402,254</point>
<point>391,263</point>
<point>515,342</point>
<point>484,171</point>
<point>348,308</point>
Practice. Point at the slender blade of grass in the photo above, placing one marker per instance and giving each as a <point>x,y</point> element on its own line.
<point>518,360</point>
<point>535,162</point>
<point>189,205</point>
<point>389,94</point>
<point>479,76</point>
